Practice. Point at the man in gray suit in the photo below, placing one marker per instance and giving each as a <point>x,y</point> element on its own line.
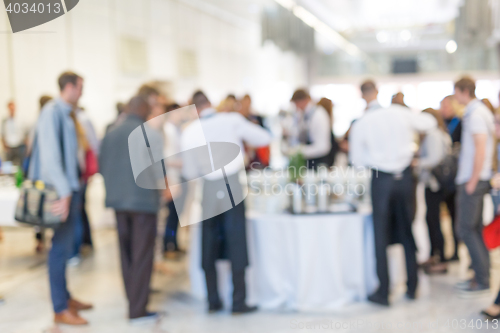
<point>135,208</point>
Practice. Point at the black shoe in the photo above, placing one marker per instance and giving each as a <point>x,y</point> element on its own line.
<point>244,309</point>
<point>436,269</point>
<point>149,318</point>
<point>216,307</point>
<point>474,290</point>
<point>411,295</point>
<point>378,300</point>
<point>490,316</point>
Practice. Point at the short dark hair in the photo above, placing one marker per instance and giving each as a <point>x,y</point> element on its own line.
<point>200,99</point>
<point>231,96</point>
<point>138,105</point>
<point>44,100</point>
<point>368,86</point>
<point>120,107</point>
<point>147,90</point>
<point>466,83</point>
<point>300,94</point>
<point>172,107</point>
<point>67,78</point>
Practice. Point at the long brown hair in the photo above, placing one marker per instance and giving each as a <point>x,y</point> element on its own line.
<point>436,114</point>
<point>327,104</point>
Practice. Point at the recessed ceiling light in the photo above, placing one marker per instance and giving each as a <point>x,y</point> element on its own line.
<point>451,46</point>
<point>383,37</point>
<point>405,35</point>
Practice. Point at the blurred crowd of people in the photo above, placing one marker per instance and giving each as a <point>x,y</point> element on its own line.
<point>455,160</point>
<point>456,163</point>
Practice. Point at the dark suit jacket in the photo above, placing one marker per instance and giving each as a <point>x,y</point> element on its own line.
<point>122,193</point>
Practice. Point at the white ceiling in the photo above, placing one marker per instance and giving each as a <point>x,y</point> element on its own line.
<point>247,9</point>
<point>383,14</point>
<point>358,15</point>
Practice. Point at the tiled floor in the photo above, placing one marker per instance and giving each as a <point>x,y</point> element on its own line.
<point>23,281</point>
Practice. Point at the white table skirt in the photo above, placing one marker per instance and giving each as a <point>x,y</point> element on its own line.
<point>303,263</point>
<point>8,202</point>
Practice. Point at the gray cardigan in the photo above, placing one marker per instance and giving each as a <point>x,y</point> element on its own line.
<point>122,193</point>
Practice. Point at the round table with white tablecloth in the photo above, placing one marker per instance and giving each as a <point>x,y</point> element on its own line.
<point>300,262</point>
<point>8,201</point>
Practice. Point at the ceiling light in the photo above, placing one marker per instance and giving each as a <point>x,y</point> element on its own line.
<point>451,46</point>
<point>383,37</point>
<point>288,4</point>
<point>306,16</point>
<point>405,35</point>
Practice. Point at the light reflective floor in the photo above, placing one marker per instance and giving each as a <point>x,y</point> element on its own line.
<point>23,282</point>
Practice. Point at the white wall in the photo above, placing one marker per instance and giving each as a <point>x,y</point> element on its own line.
<point>229,57</point>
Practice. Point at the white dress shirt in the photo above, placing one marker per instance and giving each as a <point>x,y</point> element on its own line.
<point>222,127</point>
<point>383,138</point>
<point>373,105</point>
<point>14,132</point>
<point>317,123</point>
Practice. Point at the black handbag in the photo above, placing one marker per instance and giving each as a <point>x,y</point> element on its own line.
<point>446,172</point>
<point>34,206</point>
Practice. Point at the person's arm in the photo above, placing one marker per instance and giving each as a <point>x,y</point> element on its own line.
<point>479,129</point>
<point>320,134</point>
<point>252,134</point>
<point>357,147</point>
<point>422,122</point>
<point>4,143</point>
<point>189,163</point>
<point>51,161</point>
<point>434,151</point>
<point>480,141</point>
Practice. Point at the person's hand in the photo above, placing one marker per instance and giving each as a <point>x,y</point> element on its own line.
<point>167,195</point>
<point>291,151</point>
<point>61,208</point>
<point>414,163</point>
<point>470,187</point>
<point>495,181</point>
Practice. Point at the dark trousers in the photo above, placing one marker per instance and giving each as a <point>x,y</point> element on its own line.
<point>136,233</point>
<point>239,287</point>
<point>470,229</point>
<point>433,202</point>
<point>16,155</point>
<point>62,247</point>
<point>170,238</point>
<point>87,233</point>
<point>392,200</point>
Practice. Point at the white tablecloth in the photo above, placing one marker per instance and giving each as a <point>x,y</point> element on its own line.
<point>303,263</point>
<point>8,201</point>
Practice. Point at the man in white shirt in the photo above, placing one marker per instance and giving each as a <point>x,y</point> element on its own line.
<point>14,136</point>
<point>224,234</point>
<point>473,176</point>
<point>369,93</point>
<point>315,135</point>
<point>383,140</point>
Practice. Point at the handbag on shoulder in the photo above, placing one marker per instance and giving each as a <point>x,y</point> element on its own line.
<point>34,206</point>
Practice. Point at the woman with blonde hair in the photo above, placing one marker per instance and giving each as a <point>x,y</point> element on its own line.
<point>229,104</point>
